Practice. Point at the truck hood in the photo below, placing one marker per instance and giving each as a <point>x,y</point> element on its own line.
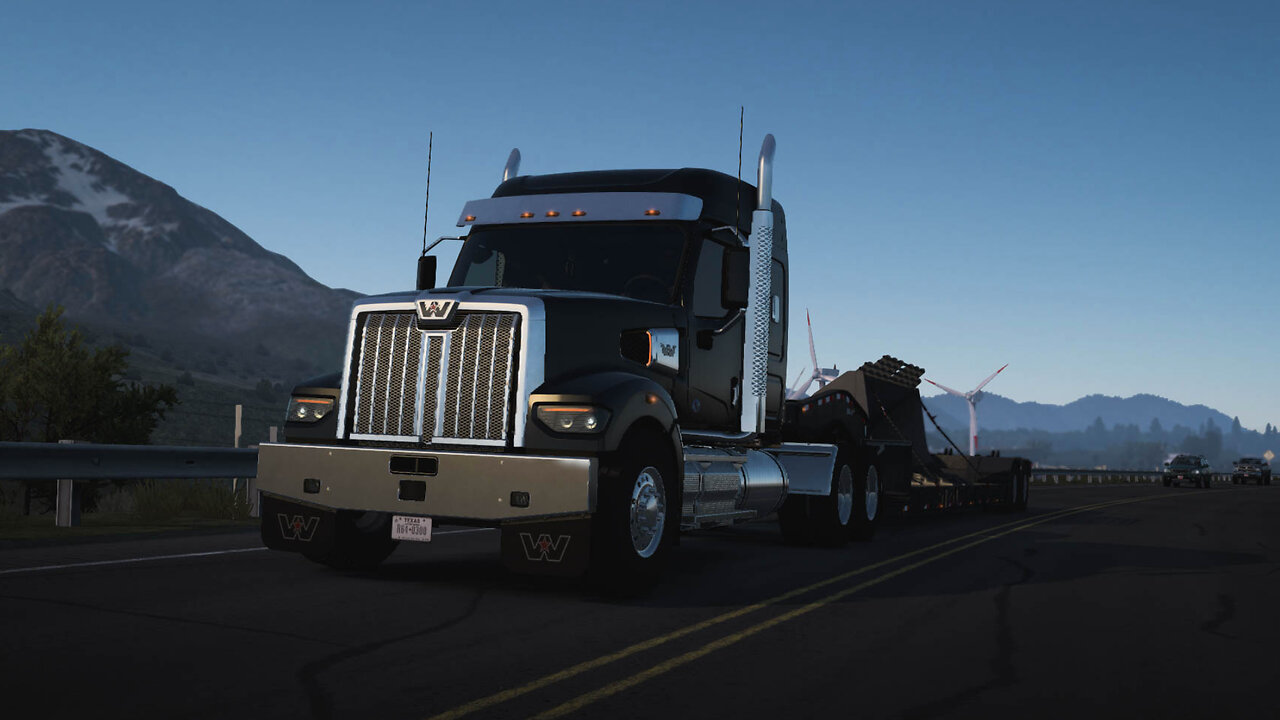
<point>584,331</point>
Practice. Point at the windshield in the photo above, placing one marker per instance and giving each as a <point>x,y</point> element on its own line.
<point>1186,460</point>
<point>636,260</point>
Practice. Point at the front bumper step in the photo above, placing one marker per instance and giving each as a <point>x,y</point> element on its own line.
<point>484,487</point>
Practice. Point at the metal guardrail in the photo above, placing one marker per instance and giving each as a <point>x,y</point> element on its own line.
<point>86,461</point>
<point>1055,476</point>
<point>67,462</point>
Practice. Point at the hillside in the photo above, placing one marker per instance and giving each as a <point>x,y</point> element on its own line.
<point>134,262</point>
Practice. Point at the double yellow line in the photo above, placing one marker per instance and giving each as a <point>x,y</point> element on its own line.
<point>961,543</point>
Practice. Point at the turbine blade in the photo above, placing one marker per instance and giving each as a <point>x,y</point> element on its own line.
<point>813,354</point>
<point>990,378</point>
<point>944,387</point>
<point>795,383</point>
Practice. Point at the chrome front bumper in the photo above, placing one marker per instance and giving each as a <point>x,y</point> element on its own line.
<point>452,485</point>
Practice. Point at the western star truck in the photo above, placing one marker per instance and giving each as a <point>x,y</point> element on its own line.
<point>602,371</point>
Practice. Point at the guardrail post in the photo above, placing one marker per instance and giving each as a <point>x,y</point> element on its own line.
<point>67,510</point>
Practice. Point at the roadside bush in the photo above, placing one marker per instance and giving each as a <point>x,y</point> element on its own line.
<point>156,500</point>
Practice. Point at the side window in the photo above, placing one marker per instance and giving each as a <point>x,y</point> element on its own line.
<point>706,290</point>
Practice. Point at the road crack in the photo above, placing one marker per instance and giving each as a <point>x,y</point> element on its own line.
<point>1226,613</point>
<point>309,674</point>
<point>1004,674</point>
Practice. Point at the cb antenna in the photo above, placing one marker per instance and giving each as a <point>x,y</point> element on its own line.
<point>426,204</point>
<point>737,205</point>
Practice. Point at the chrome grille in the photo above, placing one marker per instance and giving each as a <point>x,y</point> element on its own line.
<point>447,385</point>
<point>478,380</point>
<point>390,356</point>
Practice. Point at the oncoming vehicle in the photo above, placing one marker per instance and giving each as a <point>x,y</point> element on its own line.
<point>1251,468</point>
<point>1188,468</point>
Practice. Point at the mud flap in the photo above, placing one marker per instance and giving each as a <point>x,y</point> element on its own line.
<point>561,547</point>
<point>295,527</point>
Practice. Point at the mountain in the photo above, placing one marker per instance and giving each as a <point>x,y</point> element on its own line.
<point>130,257</point>
<point>996,412</point>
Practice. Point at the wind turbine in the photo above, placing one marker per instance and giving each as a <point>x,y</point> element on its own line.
<point>821,375</point>
<point>972,397</point>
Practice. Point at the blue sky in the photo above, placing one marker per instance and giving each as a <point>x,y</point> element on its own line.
<point>1084,190</point>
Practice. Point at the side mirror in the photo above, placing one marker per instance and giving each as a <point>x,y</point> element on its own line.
<point>426,272</point>
<point>735,278</point>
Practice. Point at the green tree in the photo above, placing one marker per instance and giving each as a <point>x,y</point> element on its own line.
<point>54,387</point>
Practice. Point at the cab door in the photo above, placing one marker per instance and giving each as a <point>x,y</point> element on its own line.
<point>715,340</point>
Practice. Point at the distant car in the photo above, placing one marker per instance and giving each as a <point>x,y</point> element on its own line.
<point>1189,468</point>
<point>1251,468</point>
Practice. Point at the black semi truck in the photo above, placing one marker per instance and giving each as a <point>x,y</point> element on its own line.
<point>601,372</point>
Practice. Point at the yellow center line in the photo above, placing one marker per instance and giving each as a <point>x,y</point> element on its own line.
<point>575,670</point>
<point>667,666</point>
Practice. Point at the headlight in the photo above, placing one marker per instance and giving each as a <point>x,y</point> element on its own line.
<point>308,409</point>
<point>573,418</point>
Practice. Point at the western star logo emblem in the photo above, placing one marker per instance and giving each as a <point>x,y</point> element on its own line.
<point>667,350</point>
<point>436,311</point>
<point>543,548</point>
<point>297,527</point>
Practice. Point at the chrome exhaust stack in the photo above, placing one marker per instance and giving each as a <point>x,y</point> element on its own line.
<point>755,350</point>
<point>513,165</point>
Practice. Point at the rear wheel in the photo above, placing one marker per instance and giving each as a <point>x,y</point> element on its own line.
<point>361,541</point>
<point>637,519</point>
<point>831,515</point>
<point>1022,481</point>
<point>866,503</point>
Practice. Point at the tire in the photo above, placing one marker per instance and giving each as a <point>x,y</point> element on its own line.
<point>1023,492</point>
<point>637,518</point>
<point>868,504</point>
<point>362,540</point>
<point>831,516</point>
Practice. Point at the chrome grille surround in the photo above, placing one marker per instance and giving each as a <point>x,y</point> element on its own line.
<point>451,385</point>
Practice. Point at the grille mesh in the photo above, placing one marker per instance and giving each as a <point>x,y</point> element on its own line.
<point>390,354</point>
<point>473,401</point>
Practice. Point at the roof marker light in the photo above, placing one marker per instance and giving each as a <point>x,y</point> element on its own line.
<point>652,211</point>
<point>553,213</point>
<point>526,214</point>
<point>579,213</point>
<point>471,218</point>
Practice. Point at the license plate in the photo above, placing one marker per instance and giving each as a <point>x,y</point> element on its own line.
<point>408,527</point>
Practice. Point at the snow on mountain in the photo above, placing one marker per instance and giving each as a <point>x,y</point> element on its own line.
<point>118,248</point>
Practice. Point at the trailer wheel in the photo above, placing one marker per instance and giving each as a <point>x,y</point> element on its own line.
<point>362,540</point>
<point>831,517</point>
<point>866,503</point>
<point>1022,489</point>
<point>637,518</point>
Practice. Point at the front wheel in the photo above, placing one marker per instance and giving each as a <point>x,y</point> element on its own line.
<point>637,519</point>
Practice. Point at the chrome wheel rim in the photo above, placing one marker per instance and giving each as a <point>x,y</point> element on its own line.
<point>844,494</point>
<point>648,512</point>
<point>873,493</point>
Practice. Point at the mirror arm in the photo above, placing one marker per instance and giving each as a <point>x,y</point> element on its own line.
<point>438,241</point>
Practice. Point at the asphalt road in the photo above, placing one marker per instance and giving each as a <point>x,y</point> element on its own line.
<point>1134,601</point>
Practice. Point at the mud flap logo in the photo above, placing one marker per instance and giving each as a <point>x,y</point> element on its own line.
<point>543,548</point>
<point>297,527</point>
